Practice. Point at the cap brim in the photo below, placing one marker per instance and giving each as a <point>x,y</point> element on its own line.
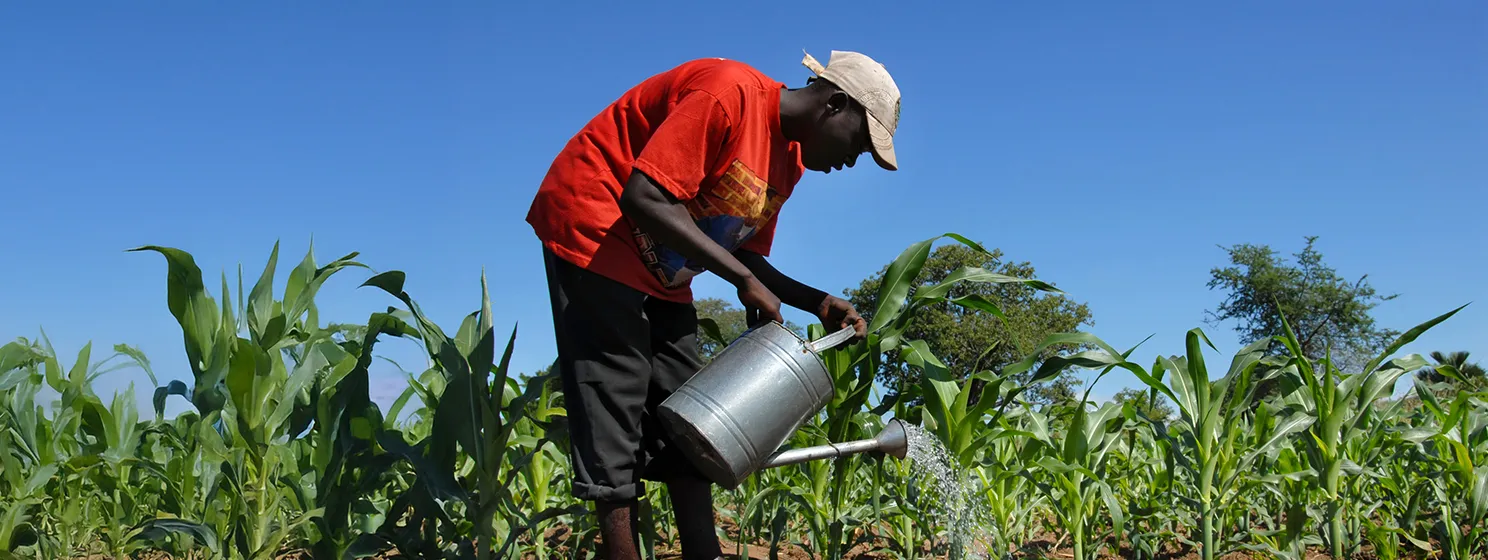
<point>883,145</point>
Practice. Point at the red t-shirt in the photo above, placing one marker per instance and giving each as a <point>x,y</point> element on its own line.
<point>708,131</point>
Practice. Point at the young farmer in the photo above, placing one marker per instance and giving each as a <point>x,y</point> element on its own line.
<point>685,173</point>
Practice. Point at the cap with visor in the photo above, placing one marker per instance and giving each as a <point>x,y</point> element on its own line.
<point>868,83</point>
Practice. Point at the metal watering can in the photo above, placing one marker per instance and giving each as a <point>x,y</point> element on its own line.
<point>732,416</point>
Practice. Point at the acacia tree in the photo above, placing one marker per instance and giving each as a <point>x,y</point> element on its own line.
<point>1329,314</point>
<point>969,341</point>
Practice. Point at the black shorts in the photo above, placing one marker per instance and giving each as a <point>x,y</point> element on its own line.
<point>620,354</point>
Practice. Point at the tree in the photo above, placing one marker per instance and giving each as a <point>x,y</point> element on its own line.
<point>731,325</point>
<point>1474,377</point>
<point>969,341</point>
<point>1154,406</point>
<point>1330,315</point>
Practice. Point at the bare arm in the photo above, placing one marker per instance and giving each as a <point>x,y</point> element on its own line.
<point>659,214</point>
<point>791,292</point>
<point>834,312</point>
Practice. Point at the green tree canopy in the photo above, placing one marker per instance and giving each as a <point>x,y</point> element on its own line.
<point>1330,315</point>
<point>970,341</point>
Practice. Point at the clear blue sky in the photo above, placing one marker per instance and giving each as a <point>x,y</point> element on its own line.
<point>1113,145</point>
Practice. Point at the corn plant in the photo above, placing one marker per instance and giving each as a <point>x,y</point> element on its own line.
<point>852,370</point>
<point>1011,500</point>
<point>1460,447</point>
<point>1070,473</point>
<point>474,414</point>
<point>533,438</point>
<point>1340,408</point>
<point>283,450</point>
<point>1146,479</point>
<point>264,390</point>
<point>1208,439</point>
<point>1071,470</point>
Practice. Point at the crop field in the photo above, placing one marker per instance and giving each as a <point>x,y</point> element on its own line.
<point>283,454</point>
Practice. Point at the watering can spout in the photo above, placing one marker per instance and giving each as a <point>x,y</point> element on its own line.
<point>892,440</point>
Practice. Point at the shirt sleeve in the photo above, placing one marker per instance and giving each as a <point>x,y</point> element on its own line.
<point>683,150</point>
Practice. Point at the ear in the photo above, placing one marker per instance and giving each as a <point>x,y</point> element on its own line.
<point>837,103</point>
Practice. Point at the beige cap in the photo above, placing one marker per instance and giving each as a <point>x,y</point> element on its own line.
<point>868,82</point>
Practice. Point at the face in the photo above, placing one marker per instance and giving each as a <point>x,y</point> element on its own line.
<point>839,137</point>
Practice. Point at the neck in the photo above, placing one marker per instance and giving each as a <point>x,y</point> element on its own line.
<point>795,113</point>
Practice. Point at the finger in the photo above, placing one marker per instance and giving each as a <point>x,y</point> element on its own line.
<point>852,317</point>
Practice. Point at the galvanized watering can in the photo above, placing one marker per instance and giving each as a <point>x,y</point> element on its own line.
<point>733,415</point>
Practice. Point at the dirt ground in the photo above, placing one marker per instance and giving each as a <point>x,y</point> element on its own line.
<point>1047,546</point>
<point>1043,547</point>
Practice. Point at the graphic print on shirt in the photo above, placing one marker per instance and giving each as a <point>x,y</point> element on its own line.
<point>729,213</point>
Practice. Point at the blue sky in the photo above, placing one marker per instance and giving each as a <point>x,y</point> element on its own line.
<point>1113,145</point>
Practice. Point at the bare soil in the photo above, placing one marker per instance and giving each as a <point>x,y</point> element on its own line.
<point>1047,545</point>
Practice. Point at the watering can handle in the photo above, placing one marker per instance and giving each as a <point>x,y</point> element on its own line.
<point>832,340</point>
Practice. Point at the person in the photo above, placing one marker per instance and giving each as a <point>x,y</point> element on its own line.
<point>684,173</point>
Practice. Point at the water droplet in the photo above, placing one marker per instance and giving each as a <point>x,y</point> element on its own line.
<point>954,498</point>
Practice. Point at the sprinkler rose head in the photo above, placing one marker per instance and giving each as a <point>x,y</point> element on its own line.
<point>893,439</point>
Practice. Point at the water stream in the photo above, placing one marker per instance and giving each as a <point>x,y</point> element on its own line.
<point>953,496</point>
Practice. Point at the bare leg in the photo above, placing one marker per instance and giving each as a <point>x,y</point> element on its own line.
<point>692,500</point>
<point>617,530</point>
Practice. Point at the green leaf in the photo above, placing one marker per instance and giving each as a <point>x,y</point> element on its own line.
<point>711,330</point>
<point>1059,339</point>
<point>155,531</point>
<point>189,303</point>
<point>941,389</point>
<point>136,356</point>
<point>1154,380</point>
<point>1382,380</point>
<point>1118,516</point>
<point>978,302</point>
<point>980,276</point>
<point>467,336</point>
<point>78,375</point>
<point>897,280</point>
<point>482,353</point>
<point>249,385</point>
<point>261,301</point>
<point>1284,431</point>
<point>1198,370</point>
<point>38,479</point>
<point>1077,440</point>
<point>14,356</point>
<point>967,242</point>
<point>1408,337</point>
<point>1293,476</point>
<point>299,381</point>
<point>1185,395</point>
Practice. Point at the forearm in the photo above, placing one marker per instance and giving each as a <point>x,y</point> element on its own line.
<point>653,210</point>
<point>790,291</point>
